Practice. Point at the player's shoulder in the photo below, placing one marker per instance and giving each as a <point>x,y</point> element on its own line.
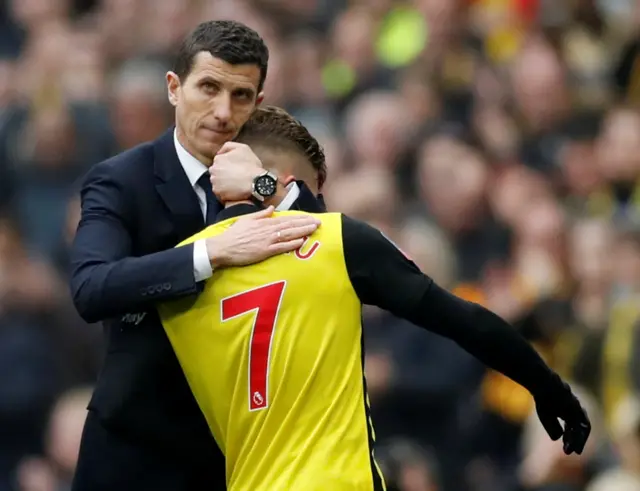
<point>327,219</point>
<point>321,216</point>
<point>132,166</point>
<point>361,234</point>
<point>339,220</point>
<point>358,227</point>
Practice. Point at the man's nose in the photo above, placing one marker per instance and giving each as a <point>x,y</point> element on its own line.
<point>222,107</point>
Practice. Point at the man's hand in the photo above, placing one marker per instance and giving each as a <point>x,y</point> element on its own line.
<point>564,405</point>
<point>258,236</point>
<point>233,170</point>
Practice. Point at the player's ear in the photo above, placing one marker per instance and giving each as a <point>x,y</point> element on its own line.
<point>284,178</point>
<point>173,87</point>
<point>260,98</point>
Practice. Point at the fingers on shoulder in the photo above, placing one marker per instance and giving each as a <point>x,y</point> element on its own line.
<point>280,247</point>
<point>290,221</point>
<point>267,212</point>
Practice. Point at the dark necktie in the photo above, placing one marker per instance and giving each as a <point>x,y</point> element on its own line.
<point>213,206</point>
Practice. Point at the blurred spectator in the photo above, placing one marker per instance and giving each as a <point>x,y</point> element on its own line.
<point>626,434</point>
<point>139,103</point>
<point>545,467</point>
<point>376,129</point>
<point>615,481</point>
<point>409,467</point>
<point>619,164</point>
<point>45,172</point>
<point>454,195</point>
<point>430,250</point>
<point>54,470</point>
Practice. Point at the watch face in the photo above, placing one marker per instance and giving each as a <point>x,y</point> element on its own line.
<point>266,186</point>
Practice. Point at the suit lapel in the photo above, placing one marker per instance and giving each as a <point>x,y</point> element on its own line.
<point>174,188</point>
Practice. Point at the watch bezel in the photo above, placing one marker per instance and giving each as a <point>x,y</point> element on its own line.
<point>265,175</point>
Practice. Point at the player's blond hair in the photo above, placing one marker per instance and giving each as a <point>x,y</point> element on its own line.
<point>271,124</point>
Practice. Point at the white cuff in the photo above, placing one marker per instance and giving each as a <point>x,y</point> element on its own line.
<point>290,198</point>
<point>202,269</point>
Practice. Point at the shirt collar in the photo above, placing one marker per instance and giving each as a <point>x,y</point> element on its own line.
<point>193,168</point>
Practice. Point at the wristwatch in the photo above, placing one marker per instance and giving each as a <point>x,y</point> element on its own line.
<point>265,185</point>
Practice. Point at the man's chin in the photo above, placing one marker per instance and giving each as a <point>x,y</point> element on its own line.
<point>211,148</point>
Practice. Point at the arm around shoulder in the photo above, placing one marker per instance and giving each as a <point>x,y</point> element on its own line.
<point>106,280</point>
<point>381,274</point>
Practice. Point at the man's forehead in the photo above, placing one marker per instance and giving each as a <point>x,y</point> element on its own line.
<point>243,75</point>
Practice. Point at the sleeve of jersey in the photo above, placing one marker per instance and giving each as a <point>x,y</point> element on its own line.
<point>382,275</point>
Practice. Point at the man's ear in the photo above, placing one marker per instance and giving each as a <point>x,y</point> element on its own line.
<point>286,180</point>
<point>260,98</point>
<point>173,88</point>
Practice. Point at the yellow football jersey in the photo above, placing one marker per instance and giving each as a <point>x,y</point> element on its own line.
<point>273,355</point>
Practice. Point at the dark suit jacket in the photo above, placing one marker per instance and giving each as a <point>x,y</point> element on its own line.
<point>136,207</point>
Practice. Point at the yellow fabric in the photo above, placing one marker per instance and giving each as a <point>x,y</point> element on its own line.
<point>633,92</point>
<point>504,37</point>
<point>403,36</point>
<point>338,78</point>
<point>504,397</point>
<point>566,348</point>
<point>308,429</point>
<point>503,43</point>
<point>602,203</point>
<point>618,350</point>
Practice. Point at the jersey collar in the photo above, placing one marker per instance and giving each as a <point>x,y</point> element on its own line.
<point>236,211</point>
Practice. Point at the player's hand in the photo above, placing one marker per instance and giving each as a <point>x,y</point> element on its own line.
<point>233,170</point>
<point>258,236</point>
<point>563,404</point>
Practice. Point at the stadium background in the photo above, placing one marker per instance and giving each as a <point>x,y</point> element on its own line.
<point>496,141</point>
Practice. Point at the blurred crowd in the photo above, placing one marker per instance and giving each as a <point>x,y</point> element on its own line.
<point>496,141</point>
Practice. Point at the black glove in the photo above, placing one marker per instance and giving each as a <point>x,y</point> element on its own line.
<point>561,403</point>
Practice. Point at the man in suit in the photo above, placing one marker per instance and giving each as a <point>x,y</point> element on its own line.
<point>144,431</point>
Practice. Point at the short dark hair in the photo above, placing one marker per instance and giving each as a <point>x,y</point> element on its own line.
<point>273,125</point>
<point>231,41</point>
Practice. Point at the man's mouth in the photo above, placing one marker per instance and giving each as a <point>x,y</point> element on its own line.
<point>219,131</point>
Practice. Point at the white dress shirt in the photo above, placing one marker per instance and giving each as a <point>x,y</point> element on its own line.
<point>194,169</point>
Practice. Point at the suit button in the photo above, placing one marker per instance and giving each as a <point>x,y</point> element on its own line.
<point>166,287</point>
<point>144,292</point>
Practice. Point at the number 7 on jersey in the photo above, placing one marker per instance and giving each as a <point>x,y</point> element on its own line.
<point>265,301</point>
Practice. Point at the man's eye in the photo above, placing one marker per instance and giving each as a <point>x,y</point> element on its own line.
<point>243,96</point>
